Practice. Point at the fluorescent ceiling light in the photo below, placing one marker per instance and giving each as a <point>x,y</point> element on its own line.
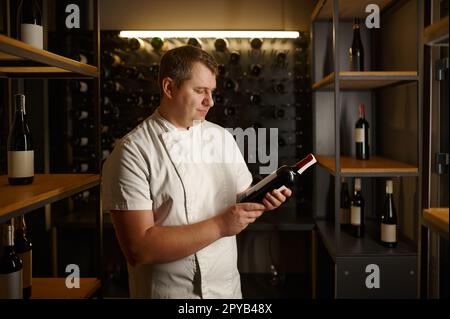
<point>209,34</point>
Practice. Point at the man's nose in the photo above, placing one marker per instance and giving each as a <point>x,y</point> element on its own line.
<point>208,101</point>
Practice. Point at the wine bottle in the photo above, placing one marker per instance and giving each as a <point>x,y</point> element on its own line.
<point>157,43</point>
<point>280,59</point>
<point>344,211</point>
<point>20,147</point>
<point>362,135</point>
<point>230,111</point>
<point>10,266</point>
<point>221,45</point>
<point>256,43</point>
<point>357,211</point>
<point>388,219</point>
<point>29,18</point>
<point>356,50</point>
<point>235,57</point>
<point>195,42</point>
<point>23,247</point>
<point>255,70</point>
<point>255,98</point>
<point>282,178</point>
<point>231,85</point>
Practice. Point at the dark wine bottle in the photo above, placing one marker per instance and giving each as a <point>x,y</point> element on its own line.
<point>221,45</point>
<point>29,18</point>
<point>255,70</point>
<point>23,247</point>
<point>255,98</point>
<point>357,211</point>
<point>230,111</point>
<point>283,177</point>
<point>388,219</point>
<point>356,50</point>
<point>362,135</point>
<point>195,42</point>
<point>157,43</point>
<point>10,266</point>
<point>20,147</point>
<point>344,211</point>
<point>235,57</point>
<point>256,43</point>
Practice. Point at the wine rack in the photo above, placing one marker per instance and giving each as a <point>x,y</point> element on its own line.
<point>344,258</point>
<point>262,84</point>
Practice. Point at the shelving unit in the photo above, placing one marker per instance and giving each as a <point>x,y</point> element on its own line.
<point>365,80</point>
<point>436,219</point>
<point>348,256</point>
<point>436,34</point>
<point>20,60</point>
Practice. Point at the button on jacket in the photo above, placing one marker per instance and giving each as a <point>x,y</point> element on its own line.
<point>183,176</point>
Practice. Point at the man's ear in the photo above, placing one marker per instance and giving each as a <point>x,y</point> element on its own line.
<point>168,87</point>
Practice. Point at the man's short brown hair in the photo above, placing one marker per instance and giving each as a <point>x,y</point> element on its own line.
<point>177,64</point>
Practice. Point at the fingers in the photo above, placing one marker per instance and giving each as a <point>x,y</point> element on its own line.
<point>275,198</point>
<point>252,206</point>
<point>286,192</point>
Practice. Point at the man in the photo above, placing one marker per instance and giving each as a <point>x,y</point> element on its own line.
<point>174,212</point>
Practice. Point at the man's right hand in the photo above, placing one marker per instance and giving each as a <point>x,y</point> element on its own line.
<point>237,217</point>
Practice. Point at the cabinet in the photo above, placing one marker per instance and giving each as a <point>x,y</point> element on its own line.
<point>19,60</point>
<point>351,267</point>
<point>434,218</point>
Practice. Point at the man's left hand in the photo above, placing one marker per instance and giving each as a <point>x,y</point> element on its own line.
<point>275,198</point>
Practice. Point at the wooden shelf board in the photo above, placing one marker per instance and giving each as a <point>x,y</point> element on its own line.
<point>437,33</point>
<point>55,288</point>
<point>16,51</point>
<point>368,80</point>
<point>375,166</point>
<point>45,189</point>
<point>366,246</point>
<point>437,219</point>
<point>348,9</point>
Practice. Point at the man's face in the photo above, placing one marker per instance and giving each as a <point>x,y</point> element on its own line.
<point>193,98</point>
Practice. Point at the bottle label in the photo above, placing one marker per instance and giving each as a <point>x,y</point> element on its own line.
<point>359,135</point>
<point>344,216</point>
<point>27,268</point>
<point>261,184</point>
<point>389,233</point>
<point>32,34</point>
<point>20,163</point>
<point>11,285</point>
<point>355,216</point>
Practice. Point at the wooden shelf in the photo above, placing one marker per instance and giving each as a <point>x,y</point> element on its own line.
<point>436,219</point>
<point>436,34</point>
<point>348,9</point>
<point>376,166</point>
<point>55,288</point>
<point>349,246</point>
<point>367,80</point>
<point>46,189</point>
<point>19,59</point>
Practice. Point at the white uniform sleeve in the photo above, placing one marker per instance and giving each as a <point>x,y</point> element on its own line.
<point>125,180</point>
<point>243,176</point>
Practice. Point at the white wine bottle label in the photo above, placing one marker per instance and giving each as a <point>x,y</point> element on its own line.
<point>359,135</point>
<point>32,34</point>
<point>11,285</point>
<point>27,260</point>
<point>20,164</point>
<point>355,215</point>
<point>261,184</point>
<point>388,233</point>
<point>344,215</point>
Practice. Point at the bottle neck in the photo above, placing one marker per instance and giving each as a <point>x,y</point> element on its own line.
<point>7,236</point>
<point>305,163</point>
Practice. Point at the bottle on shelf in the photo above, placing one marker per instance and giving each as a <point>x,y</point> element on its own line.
<point>255,98</point>
<point>256,43</point>
<point>80,86</point>
<point>80,141</point>
<point>10,266</point>
<point>29,20</point>
<point>24,247</point>
<point>230,111</point>
<point>388,219</point>
<point>231,85</point>
<point>235,58</point>
<point>20,147</point>
<point>344,211</point>
<point>282,178</point>
<point>280,59</point>
<point>279,113</point>
<point>356,52</point>
<point>357,211</point>
<point>256,70</point>
<point>157,43</point>
<point>221,70</point>
<point>362,135</point>
<point>221,45</point>
<point>196,42</point>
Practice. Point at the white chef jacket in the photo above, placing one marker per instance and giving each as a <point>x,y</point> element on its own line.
<point>183,176</point>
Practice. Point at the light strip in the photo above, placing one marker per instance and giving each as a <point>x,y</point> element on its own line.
<point>209,34</point>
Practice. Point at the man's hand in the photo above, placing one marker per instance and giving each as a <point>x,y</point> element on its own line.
<point>275,198</point>
<point>237,217</point>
